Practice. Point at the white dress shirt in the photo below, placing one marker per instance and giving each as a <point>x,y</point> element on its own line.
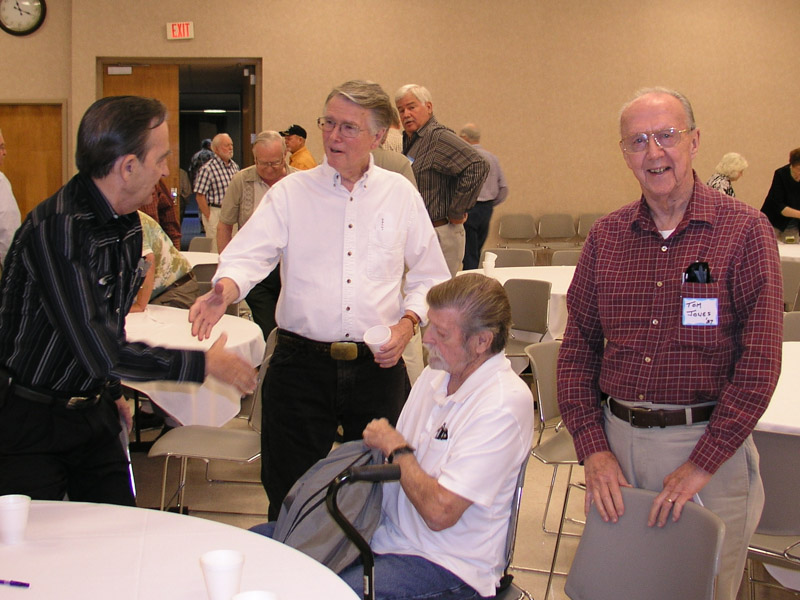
<point>9,216</point>
<point>342,253</point>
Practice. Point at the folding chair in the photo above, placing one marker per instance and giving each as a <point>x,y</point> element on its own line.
<point>556,232</point>
<point>530,310</point>
<point>777,539</point>
<point>201,244</point>
<point>204,272</point>
<point>518,229</point>
<point>791,284</point>
<point>791,326</point>
<point>630,560</point>
<point>214,443</point>
<point>565,258</point>
<point>511,257</point>
<point>585,222</point>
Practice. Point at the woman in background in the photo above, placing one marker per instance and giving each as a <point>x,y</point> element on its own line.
<point>729,169</point>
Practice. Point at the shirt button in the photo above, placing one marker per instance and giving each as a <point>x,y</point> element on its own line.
<point>655,321</point>
<point>350,226</point>
<point>664,248</point>
<point>647,359</point>
<point>351,198</point>
<point>349,253</point>
<point>641,396</point>
<point>117,311</point>
<point>347,308</point>
<point>659,283</point>
<point>348,281</point>
<point>346,335</point>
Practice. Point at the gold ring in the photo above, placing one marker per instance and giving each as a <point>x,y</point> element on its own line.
<point>670,500</point>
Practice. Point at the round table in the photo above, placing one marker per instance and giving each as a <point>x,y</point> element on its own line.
<point>214,402</point>
<point>82,551</point>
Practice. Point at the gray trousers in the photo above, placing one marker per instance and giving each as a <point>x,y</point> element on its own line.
<point>453,240</point>
<point>735,492</point>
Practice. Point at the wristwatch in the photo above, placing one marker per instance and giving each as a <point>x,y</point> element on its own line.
<point>398,452</point>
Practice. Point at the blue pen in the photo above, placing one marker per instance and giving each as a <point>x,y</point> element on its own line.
<point>13,583</point>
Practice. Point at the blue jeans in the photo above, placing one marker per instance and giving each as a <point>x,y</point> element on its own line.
<point>405,577</point>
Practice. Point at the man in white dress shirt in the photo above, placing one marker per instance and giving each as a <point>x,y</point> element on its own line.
<point>344,232</point>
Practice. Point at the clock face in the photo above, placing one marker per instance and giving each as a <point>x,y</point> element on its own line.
<point>21,17</point>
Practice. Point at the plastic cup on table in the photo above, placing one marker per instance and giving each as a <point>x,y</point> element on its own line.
<point>489,261</point>
<point>14,510</point>
<point>222,571</point>
<point>377,336</point>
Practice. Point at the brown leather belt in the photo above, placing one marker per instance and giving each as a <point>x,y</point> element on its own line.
<point>440,222</point>
<point>647,417</point>
<point>333,350</point>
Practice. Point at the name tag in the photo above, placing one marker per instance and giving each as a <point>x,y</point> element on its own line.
<point>700,312</point>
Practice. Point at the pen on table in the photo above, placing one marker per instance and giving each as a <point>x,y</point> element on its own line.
<point>13,583</point>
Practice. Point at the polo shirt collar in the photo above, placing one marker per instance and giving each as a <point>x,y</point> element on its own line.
<point>474,382</point>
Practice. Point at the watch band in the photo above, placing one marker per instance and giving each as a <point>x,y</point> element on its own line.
<point>414,322</point>
<point>398,451</point>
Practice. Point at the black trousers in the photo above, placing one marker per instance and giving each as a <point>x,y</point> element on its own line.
<point>47,451</point>
<point>263,299</point>
<point>476,230</point>
<point>306,397</point>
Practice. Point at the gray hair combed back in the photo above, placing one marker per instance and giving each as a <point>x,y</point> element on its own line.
<point>369,95</point>
<point>419,92</point>
<point>482,303</point>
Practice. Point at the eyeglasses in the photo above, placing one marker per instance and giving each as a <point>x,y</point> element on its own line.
<point>666,138</point>
<point>348,130</point>
<point>273,165</point>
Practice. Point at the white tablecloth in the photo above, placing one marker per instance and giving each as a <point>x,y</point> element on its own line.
<point>214,402</point>
<point>90,551</point>
<point>201,258</point>
<point>559,277</point>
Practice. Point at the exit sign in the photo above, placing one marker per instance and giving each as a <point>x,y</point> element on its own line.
<point>180,31</point>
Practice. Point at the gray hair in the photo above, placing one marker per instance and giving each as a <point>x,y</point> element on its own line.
<point>731,164</point>
<point>218,139</point>
<point>369,95</point>
<point>269,136</point>
<point>687,106</point>
<point>482,304</point>
<point>471,132</point>
<point>419,92</point>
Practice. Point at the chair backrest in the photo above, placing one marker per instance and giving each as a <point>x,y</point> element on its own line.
<point>543,358</point>
<point>630,560</point>
<point>556,225</point>
<point>204,273</point>
<point>519,226</point>
<point>511,257</point>
<point>565,258</point>
<point>201,244</point>
<point>255,415</point>
<point>791,326</point>
<point>516,503</point>
<point>585,222</point>
<point>791,283</point>
<point>781,514</point>
<point>530,304</point>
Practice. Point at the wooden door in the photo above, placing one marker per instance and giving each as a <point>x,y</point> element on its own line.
<point>153,81</point>
<point>34,137</point>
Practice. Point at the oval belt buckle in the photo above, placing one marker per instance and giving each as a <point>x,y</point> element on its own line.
<point>344,351</point>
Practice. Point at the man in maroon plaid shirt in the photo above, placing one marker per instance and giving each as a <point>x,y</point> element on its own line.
<point>673,345</point>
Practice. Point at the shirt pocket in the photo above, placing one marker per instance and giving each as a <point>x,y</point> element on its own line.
<point>385,251</point>
<point>699,336</point>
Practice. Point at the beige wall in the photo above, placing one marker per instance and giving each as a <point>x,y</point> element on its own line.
<point>543,79</point>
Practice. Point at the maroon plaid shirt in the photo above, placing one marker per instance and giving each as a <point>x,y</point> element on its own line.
<point>628,290</point>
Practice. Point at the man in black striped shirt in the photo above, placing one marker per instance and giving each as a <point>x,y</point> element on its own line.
<point>71,276</point>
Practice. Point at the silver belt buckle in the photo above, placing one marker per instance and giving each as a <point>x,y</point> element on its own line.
<point>344,351</point>
<point>78,401</point>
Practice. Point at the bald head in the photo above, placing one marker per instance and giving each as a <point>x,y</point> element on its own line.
<point>222,145</point>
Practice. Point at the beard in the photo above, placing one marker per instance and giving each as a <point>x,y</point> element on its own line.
<point>435,360</point>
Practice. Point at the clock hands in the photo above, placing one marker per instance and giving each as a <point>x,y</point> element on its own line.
<point>19,8</point>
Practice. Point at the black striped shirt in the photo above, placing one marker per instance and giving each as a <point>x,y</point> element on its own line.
<point>69,279</point>
<point>449,171</point>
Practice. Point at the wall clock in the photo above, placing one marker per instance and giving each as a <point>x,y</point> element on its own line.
<point>22,17</point>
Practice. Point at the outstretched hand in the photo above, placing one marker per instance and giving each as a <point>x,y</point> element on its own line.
<point>207,310</point>
<point>230,367</point>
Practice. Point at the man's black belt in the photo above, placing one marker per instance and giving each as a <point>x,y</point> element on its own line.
<point>333,350</point>
<point>85,400</point>
<point>648,417</point>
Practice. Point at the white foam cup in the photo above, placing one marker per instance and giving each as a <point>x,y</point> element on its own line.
<point>14,510</point>
<point>222,571</point>
<point>377,336</point>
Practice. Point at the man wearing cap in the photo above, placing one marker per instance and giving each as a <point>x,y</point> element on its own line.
<point>301,158</point>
